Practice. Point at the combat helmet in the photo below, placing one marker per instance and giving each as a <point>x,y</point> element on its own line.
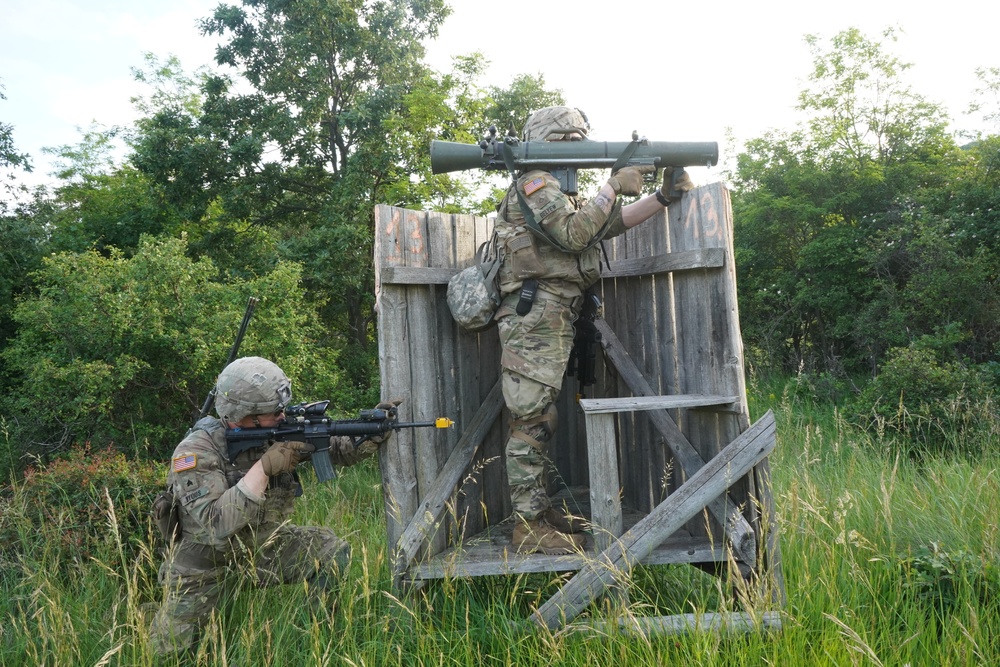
<point>251,386</point>
<point>553,122</point>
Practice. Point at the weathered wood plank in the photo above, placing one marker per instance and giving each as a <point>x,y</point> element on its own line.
<point>441,348</point>
<point>643,305</point>
<point>738,531</point>
<point>421,323</point>
<point>493,555</point>
<point>646,402</point>
<point>426,519</point>
<point>396,459</point>
<point>416,275</point>
<point>730,464</point>
<point>605,491</point>
<point>703,258</point>
<point>773,580</point>
<point>649,626</point>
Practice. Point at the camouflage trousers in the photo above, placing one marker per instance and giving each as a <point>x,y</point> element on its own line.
<point>193,577</point>
<point>536,349</point>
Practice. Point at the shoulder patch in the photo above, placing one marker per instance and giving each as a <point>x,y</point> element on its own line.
<point>534,185</point>
<point>186,462</point>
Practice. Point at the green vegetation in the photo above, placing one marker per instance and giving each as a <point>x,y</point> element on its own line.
<point>887,561</point>
<point>867,250</point>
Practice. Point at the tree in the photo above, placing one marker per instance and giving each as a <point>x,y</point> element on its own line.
<point>814,209</point>
<point>339,117</point>
<point>305,151</point>
<point>124,349</point>
<point>10,162</point>
<point>22,238</point>
<point>987,96</point>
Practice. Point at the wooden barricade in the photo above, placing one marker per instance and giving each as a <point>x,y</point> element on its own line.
<point>659,452</point>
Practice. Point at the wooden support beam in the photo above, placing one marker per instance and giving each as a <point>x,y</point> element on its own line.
<point>704,258</point>
<point>738,531</point>
<point>596,406</point>
<point>426,519</point>
<point>701,258</point>
<point>732,463</point>
<point>605,493</point>
<point>773,581</point>
<point>739,622</point>
<point>416,275</point>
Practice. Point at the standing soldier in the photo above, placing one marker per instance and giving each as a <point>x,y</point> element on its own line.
<point>234,515</point>
<point>543,279</point>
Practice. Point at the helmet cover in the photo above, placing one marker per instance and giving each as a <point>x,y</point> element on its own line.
<point>552,123</point>
<point>251,386</point>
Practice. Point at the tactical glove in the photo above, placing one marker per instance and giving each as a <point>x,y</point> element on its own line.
<point>282,457</point>
<point>628,180</point>
<point>344,453</point>
<point>683,184</point>
<point>377,440</point>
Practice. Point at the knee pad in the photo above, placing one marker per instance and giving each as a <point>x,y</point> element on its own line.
<point>536,431</point>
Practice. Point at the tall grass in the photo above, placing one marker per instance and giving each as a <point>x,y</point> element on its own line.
<point>887,561</point>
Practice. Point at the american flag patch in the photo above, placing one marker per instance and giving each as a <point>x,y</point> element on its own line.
<point>185,462</point>
<point>532,186</point>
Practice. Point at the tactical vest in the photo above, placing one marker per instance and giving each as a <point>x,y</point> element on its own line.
<point>208,439</point>
<point>562,272</point>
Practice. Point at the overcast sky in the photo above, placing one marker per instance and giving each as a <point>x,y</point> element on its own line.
<point>674,71</point>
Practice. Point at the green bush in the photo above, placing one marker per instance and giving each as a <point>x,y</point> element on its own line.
<point>920,404</point>
<point>124,350</point>
<point>938,576</point>
<point>66,503</point>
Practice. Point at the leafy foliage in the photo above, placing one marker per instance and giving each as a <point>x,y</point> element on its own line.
<point>922,404</point>
<point>66,501</point>
<point>124,350</point>
<point>941,577</point>
<point>10,162</point>
<point>863,229</point>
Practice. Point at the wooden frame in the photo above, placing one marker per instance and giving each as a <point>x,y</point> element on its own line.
<point>670,445</point>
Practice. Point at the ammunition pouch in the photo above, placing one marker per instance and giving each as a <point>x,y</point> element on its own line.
<point>525,263</point>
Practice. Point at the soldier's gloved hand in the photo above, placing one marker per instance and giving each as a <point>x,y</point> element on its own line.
<point>347,454</point>
<point>282,457</point>
<point>628,180</point>
<point>683,184</point>
<point>371,444</point>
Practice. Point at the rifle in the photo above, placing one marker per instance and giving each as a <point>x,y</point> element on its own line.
<point>308,422</point>
<point>563,158</point>
<point>233,351</point>
<point>586,338</point>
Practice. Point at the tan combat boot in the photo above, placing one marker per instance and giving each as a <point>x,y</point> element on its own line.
<point>537,535</point>
<point>564,521</point>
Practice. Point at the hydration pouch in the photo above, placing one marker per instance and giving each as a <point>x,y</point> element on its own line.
<point>525,262</point>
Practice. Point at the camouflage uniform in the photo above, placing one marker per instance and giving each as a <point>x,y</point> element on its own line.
<point>536,346</point>
<point>225,527</point>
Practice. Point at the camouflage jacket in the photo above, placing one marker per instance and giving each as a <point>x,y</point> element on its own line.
<point>214,505</point>
<point>566,271</point>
